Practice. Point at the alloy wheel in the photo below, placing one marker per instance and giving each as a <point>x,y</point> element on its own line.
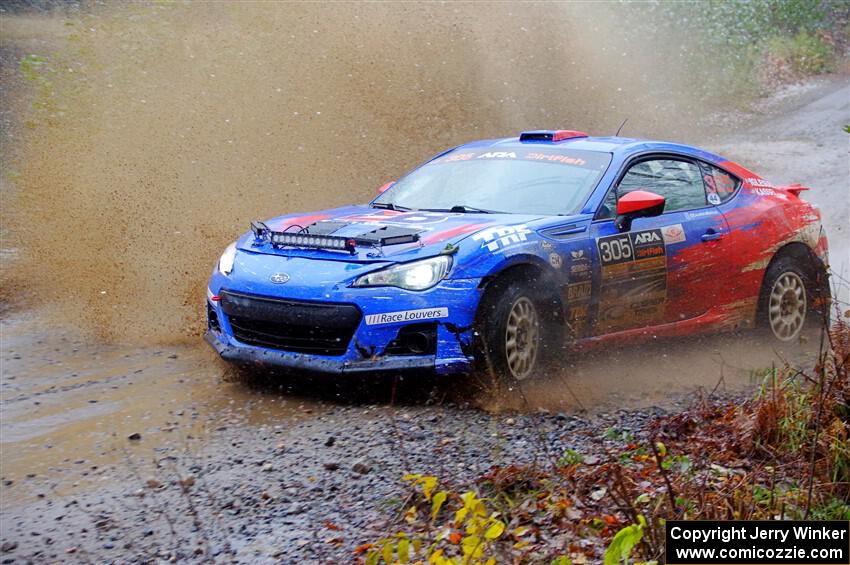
<point>522,338</point>
<point>787,306</point>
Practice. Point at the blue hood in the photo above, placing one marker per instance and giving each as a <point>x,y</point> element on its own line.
<point>435,230</point>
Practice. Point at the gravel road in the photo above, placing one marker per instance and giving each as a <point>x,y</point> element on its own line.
<point>126,454</point>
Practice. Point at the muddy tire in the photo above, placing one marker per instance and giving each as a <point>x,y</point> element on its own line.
<point>517,331</point>
<point>785,299</point>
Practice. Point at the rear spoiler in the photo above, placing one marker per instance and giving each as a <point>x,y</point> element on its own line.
<point>794,189</point>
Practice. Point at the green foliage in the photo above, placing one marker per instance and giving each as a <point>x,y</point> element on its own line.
<point>621,547</point>
<point>571,457</point>
<point>613,434</point>
<point>31,67</point>
<point>806,53</point>
<point>833,509</point>
<point>745,47</point>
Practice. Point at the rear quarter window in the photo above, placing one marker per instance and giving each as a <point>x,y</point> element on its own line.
<point>720,186</point>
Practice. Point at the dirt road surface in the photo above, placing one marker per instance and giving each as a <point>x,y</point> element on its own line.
<point>114,452</point>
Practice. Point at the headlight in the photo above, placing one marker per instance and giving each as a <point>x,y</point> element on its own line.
<point>225,264</point>
<point>419,275</point>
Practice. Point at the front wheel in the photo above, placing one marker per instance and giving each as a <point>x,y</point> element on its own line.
<point>784,301</point>
<point>515,328</point>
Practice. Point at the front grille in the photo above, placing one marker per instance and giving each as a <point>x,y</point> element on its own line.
<point>291,325</point>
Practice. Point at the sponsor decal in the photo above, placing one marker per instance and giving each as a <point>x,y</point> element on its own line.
<point>758,182</point>
<point>535,155</point>
<point>497,155</point>
<point>629,247</point>
<point>502,237</point>
<point>634,278</point>
<point>556,158</point>
<point>556,261</point>
<point>407,316</point>
<point>577,294</point>
<point>399,219</point>
<point>458,157</point>
<point>547,245</point>
<point>764,191</point>
<point>701,214</point>
<point>713,198</point>
<point>673,234</point>
<point>579,291</point>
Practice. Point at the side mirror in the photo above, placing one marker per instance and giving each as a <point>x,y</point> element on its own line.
<point>385,187</point>
<point>637,204</point>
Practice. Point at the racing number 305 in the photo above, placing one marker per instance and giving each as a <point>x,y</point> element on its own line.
<point>615,249</point>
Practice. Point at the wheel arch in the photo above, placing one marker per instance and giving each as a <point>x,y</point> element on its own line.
<point>532,269</point>
<point>812,266</point>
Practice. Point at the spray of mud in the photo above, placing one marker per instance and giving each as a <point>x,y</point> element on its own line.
<point>158,131</point>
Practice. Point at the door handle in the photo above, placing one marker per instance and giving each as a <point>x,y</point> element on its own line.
<point>711,235</point>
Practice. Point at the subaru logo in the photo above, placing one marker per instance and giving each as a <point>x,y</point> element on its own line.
<point>279,278</point>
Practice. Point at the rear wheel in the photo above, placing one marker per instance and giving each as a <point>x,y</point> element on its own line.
<point>785,299</point>
<point>515,329</point>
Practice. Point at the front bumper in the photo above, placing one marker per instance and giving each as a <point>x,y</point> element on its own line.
<point>371,347</point>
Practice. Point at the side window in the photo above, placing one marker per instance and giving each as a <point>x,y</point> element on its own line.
<point>679,182</point>
<point>720,186</point>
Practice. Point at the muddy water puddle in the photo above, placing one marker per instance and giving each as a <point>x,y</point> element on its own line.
<point>661,373</point>
<point>69,408</point>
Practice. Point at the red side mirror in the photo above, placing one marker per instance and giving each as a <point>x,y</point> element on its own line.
<point>639,201</point>
<point>638,204</point>
<point>385,187</point>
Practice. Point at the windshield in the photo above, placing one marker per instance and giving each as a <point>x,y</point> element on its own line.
<point>518,181</point>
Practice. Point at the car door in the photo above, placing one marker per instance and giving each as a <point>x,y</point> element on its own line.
<point>647,276</point>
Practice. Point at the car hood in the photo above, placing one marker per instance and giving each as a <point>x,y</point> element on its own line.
<point>433,230</point>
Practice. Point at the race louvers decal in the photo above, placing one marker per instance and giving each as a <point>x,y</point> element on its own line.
<point>407,316</point>
<point>634,279</point>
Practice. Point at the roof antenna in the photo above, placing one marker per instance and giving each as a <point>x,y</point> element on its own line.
<point>621,127</point>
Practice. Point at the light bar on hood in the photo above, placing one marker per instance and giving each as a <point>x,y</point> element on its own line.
<point>331,242</point>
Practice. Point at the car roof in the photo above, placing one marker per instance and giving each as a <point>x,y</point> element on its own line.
<point>621,147</point>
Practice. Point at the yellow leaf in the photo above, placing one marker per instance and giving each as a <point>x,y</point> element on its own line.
<point>495,530</point>
<point>491,561</point>
<point>662,449</point>
<point>437,503</point>
<point>411,477</point>
<point>428,484</point>
<point>460,515</point>
<point>471,546</point>
<point>404,551</point>
<point>388,553</point>
<point>410,515</point>
<point>437,558</point>
<point>518,532</point>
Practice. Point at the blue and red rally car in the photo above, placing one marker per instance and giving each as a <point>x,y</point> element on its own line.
<point>499,253</point>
